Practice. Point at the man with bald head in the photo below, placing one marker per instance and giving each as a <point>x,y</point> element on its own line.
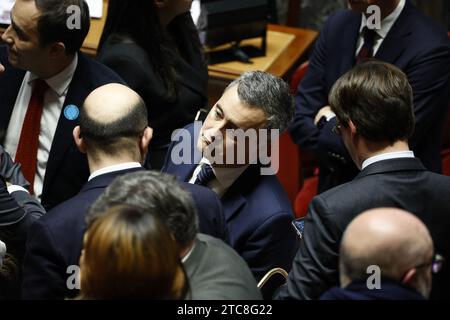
<point>113,132</point>
<point>396,242</point>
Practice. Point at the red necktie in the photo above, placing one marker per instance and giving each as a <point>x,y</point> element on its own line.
<point>27,149</point>
<point>366,50</point>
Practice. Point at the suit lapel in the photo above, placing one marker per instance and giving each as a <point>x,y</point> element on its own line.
<point>397,39</point>
<point>348,43</point>
<point>79,88</point>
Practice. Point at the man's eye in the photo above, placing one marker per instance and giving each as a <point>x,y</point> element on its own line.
<point>217,114</point>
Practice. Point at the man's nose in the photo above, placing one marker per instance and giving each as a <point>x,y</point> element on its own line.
<point>6,36</point>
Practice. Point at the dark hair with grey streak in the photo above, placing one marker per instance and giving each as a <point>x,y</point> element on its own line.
<point>157,193</point>
<point>262,90</point>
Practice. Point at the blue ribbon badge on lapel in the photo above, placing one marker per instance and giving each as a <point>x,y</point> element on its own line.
<point>71,112</point>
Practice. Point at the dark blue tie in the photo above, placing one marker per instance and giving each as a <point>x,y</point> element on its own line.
<point>205,175</point>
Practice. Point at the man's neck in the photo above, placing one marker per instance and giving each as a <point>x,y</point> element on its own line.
<point>97,164</point>
<point>386,7</point>
<point>56,67</point>
<point>373,150</point>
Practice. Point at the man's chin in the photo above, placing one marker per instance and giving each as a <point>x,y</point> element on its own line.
<point>12,59</point>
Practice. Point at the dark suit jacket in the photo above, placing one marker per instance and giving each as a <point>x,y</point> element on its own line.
<point>399,183</point>
<point>55,241</point>
<point>134,65</point>
<point>257,212</point>
<point>67,169</point>
<point>416,45</point>
<point>18,211</point>
<point>217,272</point>
<point>357,290</point>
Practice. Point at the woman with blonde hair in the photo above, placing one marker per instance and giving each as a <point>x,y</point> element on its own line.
<point>130,254</point>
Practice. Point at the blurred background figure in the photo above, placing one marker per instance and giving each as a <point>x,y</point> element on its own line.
<point>154,46</point>
<point>130,254</point>
<point>399,244</point>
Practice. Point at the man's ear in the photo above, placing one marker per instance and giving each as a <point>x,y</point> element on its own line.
<point>145,140</point>
<point>79,141</point>
<point>56,50</point>
<point>409,277</point>
<point>353,129</point>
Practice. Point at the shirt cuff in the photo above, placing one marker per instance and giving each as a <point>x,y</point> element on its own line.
<point>13,188</point>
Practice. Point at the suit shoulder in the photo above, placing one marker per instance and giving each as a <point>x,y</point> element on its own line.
<point>341,17</point>
<point>98,72</point>
<point>67,214</point>
<point>199,190</point>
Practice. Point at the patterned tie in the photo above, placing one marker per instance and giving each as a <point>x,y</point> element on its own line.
<point>205,175</point>
<point>27,149</point>
<point>366,51</point>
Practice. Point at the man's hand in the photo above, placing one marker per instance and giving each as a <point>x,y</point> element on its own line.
<point>324,111</point>
<point>2,68</point>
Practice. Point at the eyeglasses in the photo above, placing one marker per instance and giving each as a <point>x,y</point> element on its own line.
<point>337,129</point>
<point>435,263</point>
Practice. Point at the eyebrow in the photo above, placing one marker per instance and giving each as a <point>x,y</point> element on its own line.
<point>16,27</point>
<point>232,124</point>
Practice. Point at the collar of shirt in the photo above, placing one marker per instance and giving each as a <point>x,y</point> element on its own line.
<point>186,257</point>
<point>60,82</point>
<point>386,23</point>
<point>225,177</point>
<point>386,156</point>
<point>114,168</point>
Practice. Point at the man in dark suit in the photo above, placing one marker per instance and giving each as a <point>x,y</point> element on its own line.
<point>385,254</point>
<point>45,82</point>
<point>258,212</point>
<point>406,38</point>
<point>116,141</point>
<point>390,177</point>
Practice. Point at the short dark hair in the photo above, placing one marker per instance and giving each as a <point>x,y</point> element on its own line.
<point>156,193</point>
<point>377,97</point>
<point>267,92</point>
<point>110,137</point>
<point>52,24</point>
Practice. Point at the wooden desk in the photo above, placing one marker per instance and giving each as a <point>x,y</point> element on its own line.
<point>287,57</point>
<point>93,38</point>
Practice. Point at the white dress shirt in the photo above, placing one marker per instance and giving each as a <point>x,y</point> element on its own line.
<point>386,25</point>
<point>225,177</point>
<point>53,103</point>
<point>114,168</point>
<point>387,156</point>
